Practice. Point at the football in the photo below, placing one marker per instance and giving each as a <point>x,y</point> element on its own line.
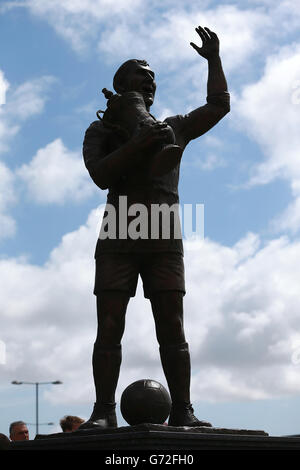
<point>145,401</point>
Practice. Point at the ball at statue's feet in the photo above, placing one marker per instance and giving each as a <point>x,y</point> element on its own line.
<point>145,401</point>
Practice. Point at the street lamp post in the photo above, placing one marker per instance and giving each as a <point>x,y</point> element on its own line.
<point>56,382</point>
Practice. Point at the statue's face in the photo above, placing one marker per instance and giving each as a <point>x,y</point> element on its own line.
<point>142,79</point>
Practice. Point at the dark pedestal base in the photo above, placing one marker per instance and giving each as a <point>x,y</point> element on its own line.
<point>159,439</point>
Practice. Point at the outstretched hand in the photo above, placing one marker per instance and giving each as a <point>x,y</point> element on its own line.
<point>210,43</point>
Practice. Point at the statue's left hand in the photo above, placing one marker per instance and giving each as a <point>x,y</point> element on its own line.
<point>210,43</point>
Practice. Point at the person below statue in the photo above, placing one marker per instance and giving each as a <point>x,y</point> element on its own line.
<point>121,165</point>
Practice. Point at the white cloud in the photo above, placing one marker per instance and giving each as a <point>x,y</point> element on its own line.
<point>97,9</point>
<point>246,299</point>
<point>210,162</point>
<point>4,85</point>
<point>8,225</point>
<point>161,32</point>
<point>271,115</point>
<point>78,21</point>
<point>56,175</point>
<point>209,158</point>
<point>22,102</point>
<point>241,317</point>
<point>246,32</point>
<point>141,31</point>
<point>268,111</point>
<point>7,199</point>
<point>7,194</point>
<point>53,306</point>
<point>289,219</point>
<point>29,98</point>
<point>173,31</point>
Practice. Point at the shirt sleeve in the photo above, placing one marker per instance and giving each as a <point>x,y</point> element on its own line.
<point>200,120</point>
<point>220,99</point>
<point>95,147</point>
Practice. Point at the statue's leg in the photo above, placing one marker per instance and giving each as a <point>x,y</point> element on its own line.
<point>107,354</point>
<point>115,282</point>
<point>167,307</point>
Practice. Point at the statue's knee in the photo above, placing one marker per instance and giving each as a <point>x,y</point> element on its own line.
<point>110,333</point>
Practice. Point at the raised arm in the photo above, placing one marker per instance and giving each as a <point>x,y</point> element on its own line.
<point>210,50</point>
<point>205,117</point>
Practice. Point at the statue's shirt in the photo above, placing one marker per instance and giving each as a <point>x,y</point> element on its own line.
<point>137,187</point>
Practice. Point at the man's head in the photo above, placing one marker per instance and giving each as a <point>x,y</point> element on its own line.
<point>18,431</point>
<point>136,75</point>
<point>70,423</point>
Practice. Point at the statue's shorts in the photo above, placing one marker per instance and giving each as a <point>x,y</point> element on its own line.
<point>120,272</point>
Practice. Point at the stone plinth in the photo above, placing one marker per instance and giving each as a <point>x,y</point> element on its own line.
<point>159,438</point>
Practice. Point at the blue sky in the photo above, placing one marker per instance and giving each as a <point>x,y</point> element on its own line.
<point>241,307</point>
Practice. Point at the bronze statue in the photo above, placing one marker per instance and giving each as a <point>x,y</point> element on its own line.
<point>130,159</point>
<point>125,114</point>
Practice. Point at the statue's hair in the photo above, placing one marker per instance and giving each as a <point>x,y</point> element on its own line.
<point>122,71</point>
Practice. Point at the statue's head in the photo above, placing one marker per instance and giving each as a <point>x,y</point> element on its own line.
<point>136,75</point>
